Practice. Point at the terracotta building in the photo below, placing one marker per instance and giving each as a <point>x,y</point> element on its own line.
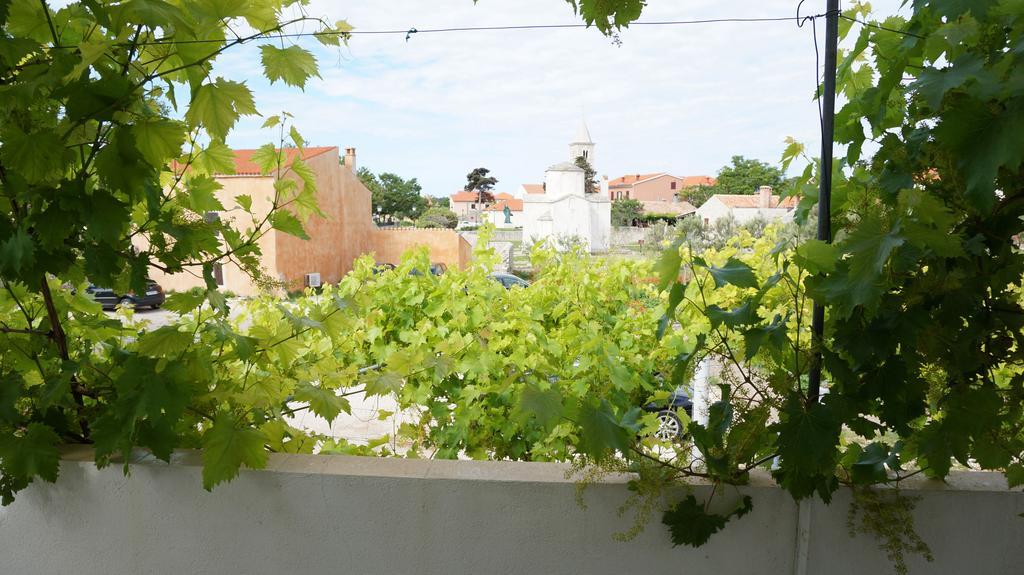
<point>659,187</point>
<point>344,233</point>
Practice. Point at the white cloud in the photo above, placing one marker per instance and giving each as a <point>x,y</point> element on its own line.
<point>669,98</point>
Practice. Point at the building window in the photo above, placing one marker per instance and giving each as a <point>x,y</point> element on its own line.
<point>627,194</point>
<point>472,206</point>
<point>705,221</point>
<point>218,274</point>
<point>673,185</point>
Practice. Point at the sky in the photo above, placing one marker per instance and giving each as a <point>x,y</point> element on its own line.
<point>678,99</point>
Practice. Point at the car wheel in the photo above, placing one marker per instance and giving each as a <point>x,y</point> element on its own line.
<point>125,302</point>
<point>670,427</point>
<point>155,306</point>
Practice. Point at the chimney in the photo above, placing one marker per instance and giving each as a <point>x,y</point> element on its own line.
<point>604,186</point>
<point>764,199</point>
<point>350,159</point>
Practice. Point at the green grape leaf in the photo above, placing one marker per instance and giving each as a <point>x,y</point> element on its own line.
<point>543,405</point>
<point>932,444</point>
<point>383,383</point>
<point>808,440</point>
<point>933,83</point>
<point>245,201</point>
<point>689,524</point>
<point>745,314</point>
<point>870,465</point>
<point>158,139</point>
<point>322,401</point>
<point>228,445</point>
<point>1015,475</point>
<point>675,296</point>
<point>37,156</point>
<point>286,222</point>
<point>217,106</point>
<point>774,334</point>
<point>216,158</point>
<point>267,158</point>
<point>600,432</point>
<point>17,252</point>
<point>201,196</point>
<point>984,139</point>
<point>184,302</point>
<point>300,143</point>
<point>293,65</point>
<point>668,265</point>
<point>32,454</point>
<point>734,272</point>
<point>164,341</point>
<point>816,256</point>
<point>682,369</point>
<point>11,387</point>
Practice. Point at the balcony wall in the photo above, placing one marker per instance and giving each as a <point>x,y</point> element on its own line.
<point>320,514</point>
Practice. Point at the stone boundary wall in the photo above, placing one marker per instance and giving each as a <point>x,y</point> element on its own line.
<point>336,514</point>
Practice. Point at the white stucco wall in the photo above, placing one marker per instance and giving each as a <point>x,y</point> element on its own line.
<point>713,209</point>
<point>586,217</point>
<point>744,215</point>
<point>563,182</point>
<point>334,514</point>
<point>498,219</point>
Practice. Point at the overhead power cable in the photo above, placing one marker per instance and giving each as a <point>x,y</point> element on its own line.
<point>409,32</point>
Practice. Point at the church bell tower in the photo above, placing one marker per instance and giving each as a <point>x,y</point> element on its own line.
<point>582,145</point>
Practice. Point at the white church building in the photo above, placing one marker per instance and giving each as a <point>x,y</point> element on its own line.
<point>561,208</point>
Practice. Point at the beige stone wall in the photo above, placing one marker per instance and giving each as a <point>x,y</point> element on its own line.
<point>446,246</point>
<point>261,190</point>
<point>657,189</point>
<point>335,240</point>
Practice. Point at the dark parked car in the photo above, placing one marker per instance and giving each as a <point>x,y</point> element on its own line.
<point>509,281</point>
<point>435,270</point>
<point>153,297</point>
<point>670,426</point>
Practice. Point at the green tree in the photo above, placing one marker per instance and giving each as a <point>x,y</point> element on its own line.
<point>590,175</point>
<point>744,176</point>
<point>697,195</point>
<point>393,197</point>
<point>438,217</point>
<point>479,182</point>
<point>440,201</point>
<point>626,212</point>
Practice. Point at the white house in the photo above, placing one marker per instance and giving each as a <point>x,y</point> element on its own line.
<point>497,215</point>
<point>746,207</point>
<point>561,208</point>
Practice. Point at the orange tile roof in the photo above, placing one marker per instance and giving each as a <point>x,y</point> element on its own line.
<point>687,181</point>
<point>753,201</point>
<point>513,204</point>
<point>698,181</point>
<point>244,166</point>
<point>631,179</point>
<point>504,196</point>
<point>464,196</point>
<point>663,207</point>
<point>534,188</point>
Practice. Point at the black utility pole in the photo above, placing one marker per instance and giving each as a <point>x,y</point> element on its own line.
<point>828,116</point>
